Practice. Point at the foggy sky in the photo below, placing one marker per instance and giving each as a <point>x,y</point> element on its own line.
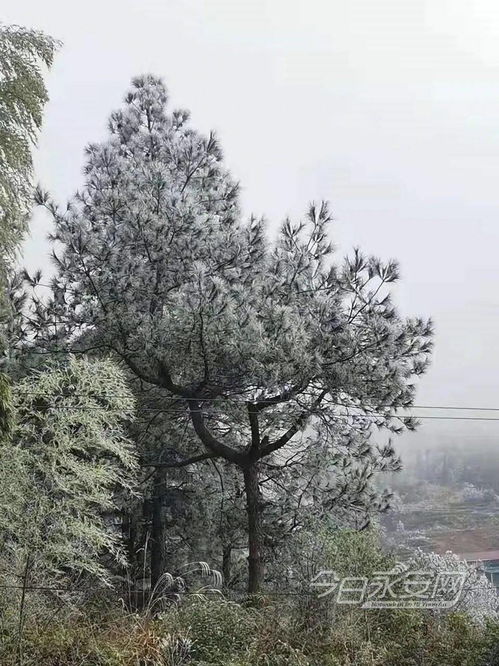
<point>389,109</point>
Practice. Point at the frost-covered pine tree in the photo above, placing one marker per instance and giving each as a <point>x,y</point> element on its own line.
<point>257,340</point>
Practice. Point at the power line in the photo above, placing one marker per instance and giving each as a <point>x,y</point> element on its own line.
<point>442,418</point>
<point>457,407</point>
<point>271,402</point>
<point>369,416</point>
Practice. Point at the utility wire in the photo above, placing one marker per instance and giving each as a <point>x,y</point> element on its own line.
<point>270,402</point>
<point>370,416</point>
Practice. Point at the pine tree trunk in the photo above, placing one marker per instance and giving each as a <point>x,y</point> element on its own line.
<point>159,551</point>
<point>226,565</point>
<point>129,533</point>
<point>255,531</point>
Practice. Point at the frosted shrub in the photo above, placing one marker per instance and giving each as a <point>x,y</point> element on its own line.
<point>60,471</point>
<point>479,598</point>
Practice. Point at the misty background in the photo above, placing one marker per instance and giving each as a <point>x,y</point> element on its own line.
<point>388,109</point>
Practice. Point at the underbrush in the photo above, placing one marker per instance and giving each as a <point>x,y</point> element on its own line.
<point>292,628</point>
<point>216,632</point>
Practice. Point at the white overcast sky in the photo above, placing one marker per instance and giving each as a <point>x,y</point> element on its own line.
<point>388,108</point>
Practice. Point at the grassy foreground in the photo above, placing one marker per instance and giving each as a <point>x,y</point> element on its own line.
<point>216,632</point>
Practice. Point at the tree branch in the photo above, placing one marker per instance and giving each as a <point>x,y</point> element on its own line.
<point>291,432</point>
<point>181,463</point>
<point>212,443</point>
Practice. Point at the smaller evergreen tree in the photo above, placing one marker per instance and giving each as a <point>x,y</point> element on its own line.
<point>23,95</point>
<point>60,470</point>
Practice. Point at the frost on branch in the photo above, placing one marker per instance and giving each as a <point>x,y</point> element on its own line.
<point>479,596</point>
<point>66,459</point>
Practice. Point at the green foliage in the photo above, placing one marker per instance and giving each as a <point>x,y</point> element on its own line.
<point>221,628</point>
<point>99,641</point>
<point>353,553</point>
<point>23,54</point>
<point>60,470</point>
<point>410,638</point>
<point>221,633</point>
<point>5,406</point>
<point>23,95</point>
